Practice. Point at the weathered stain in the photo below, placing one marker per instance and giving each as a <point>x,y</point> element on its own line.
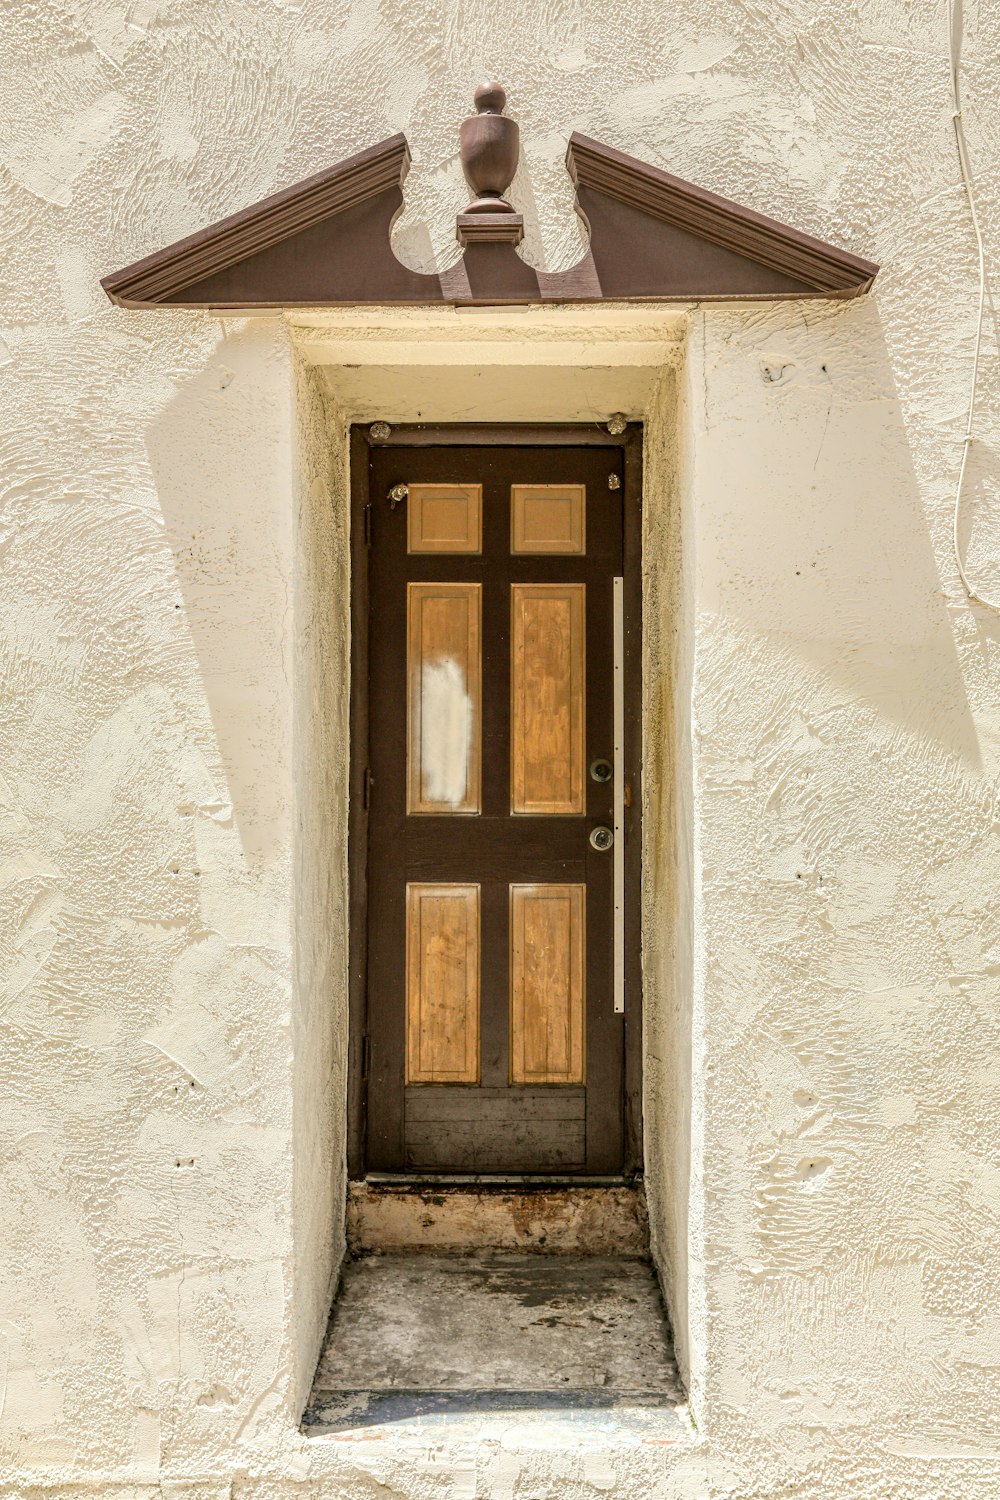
<point>570,1221</point>
<point>494,1322</point>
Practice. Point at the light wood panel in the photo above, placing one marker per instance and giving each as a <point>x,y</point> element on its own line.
<point>547,979</point>
<point>548,519</point>
<point>444,692</point>
<point>445,518</point>
<point>548,648</point>
<point>442,983</point>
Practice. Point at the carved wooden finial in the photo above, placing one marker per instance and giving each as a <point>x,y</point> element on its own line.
<point>490,99</point>
<point>489,150</point>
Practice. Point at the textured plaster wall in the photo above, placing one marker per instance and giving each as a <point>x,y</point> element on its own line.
<point>822,943</point>
<point>670,1059</point>
<point>321,691</point>
<point>156,996</point>
<point>846,938</point>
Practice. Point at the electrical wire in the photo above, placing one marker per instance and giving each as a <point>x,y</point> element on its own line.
<point>955,29</point>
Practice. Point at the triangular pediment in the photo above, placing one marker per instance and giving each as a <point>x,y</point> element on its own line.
<point>326,242</point>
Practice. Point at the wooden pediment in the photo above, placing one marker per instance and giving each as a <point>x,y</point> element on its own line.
<point>326,241</point>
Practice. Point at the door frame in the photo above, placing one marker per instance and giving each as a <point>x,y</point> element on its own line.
<point>425,435</point>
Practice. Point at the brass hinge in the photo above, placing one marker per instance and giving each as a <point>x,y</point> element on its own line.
<point>368,523</point>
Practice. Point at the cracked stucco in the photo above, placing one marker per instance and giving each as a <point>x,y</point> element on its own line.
<point>820,907</point>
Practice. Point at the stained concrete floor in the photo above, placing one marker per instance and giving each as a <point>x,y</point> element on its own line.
<point>418,1341</point>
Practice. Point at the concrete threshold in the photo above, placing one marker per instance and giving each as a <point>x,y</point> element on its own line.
<point>526,1351</point>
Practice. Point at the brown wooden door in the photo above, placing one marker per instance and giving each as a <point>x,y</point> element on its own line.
<point>493,1046</point>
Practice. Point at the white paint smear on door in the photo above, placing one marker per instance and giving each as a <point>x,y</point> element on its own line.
<point>445,732</point>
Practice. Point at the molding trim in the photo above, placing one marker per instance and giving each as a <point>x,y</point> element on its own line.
<point>326,243</point>
<point>823,267</point>
<point>499,229</point>
<point>152,280</point>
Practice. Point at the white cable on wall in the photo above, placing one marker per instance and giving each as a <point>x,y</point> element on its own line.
<point>955,30</point>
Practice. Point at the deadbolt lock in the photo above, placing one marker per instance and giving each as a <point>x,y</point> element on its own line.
<point>601,838</point>
<point>601,770</point>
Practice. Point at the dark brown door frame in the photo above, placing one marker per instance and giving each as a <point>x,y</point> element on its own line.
<point>629,443</point>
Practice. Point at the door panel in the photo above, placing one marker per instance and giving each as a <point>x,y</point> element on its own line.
<point>496,1130</point>
<point>442,983</point>
<point>548,518</point>
<point>547,697</point>
<point>444,733</point>
<point>547,983</point>
<point>445,518</point>
<point>493,1046</point>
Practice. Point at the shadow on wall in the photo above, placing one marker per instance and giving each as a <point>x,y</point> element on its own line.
<point>821,545</point>
<point>221,456</point>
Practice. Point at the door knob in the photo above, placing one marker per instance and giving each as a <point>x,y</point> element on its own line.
<point>601,838</point>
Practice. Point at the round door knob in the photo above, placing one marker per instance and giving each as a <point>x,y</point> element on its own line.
<point>601,770</point>
<point>601,838</point>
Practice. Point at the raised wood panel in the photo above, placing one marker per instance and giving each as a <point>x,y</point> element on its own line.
<point>445,518</point>
<point>442,983</point>
<point>547,983</point>
<point>548,519</point>
<point>548,669</point>
<point>444,692</point>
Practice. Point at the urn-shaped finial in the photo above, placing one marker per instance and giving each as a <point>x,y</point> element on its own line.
<point>489,149</point>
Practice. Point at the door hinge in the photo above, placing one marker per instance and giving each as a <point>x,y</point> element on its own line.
<point>366,795</point>
<point>368,523</point>
<point>364,1055</point>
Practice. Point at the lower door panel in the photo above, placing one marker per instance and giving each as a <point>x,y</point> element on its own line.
<point>495,1130</point>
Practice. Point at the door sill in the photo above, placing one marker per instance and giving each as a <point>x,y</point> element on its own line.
<point>463,1214</point>
<point>523,1180</point>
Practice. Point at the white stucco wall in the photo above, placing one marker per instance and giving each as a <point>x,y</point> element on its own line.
<point>822,1087</point>
<point>846,911</point>
<point>150,893</point>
